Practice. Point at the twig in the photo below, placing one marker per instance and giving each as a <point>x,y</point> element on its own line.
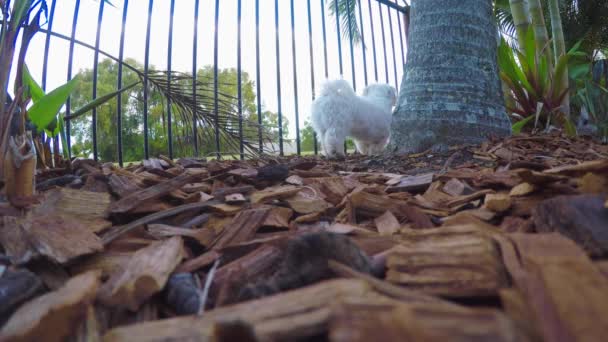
<point>117,231</point>
<point>208,281</point>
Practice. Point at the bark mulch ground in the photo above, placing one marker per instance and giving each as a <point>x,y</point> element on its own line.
<point>507,241</point>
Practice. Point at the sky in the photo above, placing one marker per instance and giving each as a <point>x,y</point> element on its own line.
<point>182,54</point>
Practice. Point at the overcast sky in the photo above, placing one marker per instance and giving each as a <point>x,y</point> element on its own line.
<point>183,43</point>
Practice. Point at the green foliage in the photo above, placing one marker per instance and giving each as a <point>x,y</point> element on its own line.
<point>132,109</point>
<point>593,96</point>
<point>531,81</point>
<point>45,110</point>
<point>307,135</point>
<point>31,88</point>
<point>347,14</point>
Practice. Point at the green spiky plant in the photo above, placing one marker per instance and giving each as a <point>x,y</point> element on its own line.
<point>534,86</point>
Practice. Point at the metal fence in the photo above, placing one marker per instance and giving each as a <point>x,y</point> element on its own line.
<point>382,45</point>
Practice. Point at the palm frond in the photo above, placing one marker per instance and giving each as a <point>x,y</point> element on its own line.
<point>200,109</point>
<point>347,14</point>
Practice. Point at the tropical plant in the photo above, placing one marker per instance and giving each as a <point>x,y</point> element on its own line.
<point>532,82</point>
<point>22,18</point>
<point>591,99</point>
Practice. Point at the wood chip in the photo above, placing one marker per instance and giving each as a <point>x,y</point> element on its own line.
<point>203,236</point>
<point>552,268</point>
<point>273,193</point>
<point>295,314</point>
<point>582,168</point>
<point>593,183</point>
<point>145,274</point>
<point>412,183</point>
<point>387,223</point>
<point>497,202</point>
<point>242,228</point>
<point>449,264</point>
<point>60,238</point>
<point>278,217</point>
<point>235,199</point>
<point>304,204</point>
<point>91,208</point>
<point>135,199</point>
<point>522,189</point>
<point>55,315</point>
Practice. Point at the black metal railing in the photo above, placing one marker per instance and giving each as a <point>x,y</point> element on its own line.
<point>382,50</point>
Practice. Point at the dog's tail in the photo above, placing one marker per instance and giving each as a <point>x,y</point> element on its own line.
<point>336,88</point>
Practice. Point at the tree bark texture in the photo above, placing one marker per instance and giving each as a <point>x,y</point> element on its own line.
<point>450,93</point>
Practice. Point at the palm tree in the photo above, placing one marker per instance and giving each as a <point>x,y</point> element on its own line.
<point>450,92</point>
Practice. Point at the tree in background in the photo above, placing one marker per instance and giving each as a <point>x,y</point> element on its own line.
<point>132,119</point>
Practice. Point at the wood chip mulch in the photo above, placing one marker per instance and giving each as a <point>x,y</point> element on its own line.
<point>507,241</point>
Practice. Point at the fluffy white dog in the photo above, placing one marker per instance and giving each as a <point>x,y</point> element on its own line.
<point>339,113</point>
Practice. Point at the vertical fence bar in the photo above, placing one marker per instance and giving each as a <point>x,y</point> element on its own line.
<point>95,68</point>
<point>47,44</point>
<point>45,60</point>
<point>121,51</point>
<point>390,24</point>
<point>295,79</point>
<point>312,70</point>
<point>324,37</point>
<point>68,125</point>
<point>146,69</point>
<point>383,41</point>
<point>257,73</point>
<point>194,70</point>
<point>352,51</point>
<point>215,83</point>
<point>371,22</point>
<point>337,17</point>
<point>363,47</point>
<point>239,81</point>
<point>169,69</point>
<point>401,40</point>
<point>278,57</point>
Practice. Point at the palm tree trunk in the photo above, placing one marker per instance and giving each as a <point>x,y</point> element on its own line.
<point>540,30</point>
<point>521,18</point>
<point>559,47</point>
<point>450,93</point>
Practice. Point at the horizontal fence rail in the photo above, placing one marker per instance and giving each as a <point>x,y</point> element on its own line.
<point>283,47</point>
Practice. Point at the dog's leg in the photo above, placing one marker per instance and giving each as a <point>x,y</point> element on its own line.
<point>361,147</point>
<point>334,142</point>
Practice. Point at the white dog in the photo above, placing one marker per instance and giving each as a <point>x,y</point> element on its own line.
<point>339,113</point>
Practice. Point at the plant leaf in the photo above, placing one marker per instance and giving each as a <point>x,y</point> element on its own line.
<point>44,111</point>
<point>20,9</point>
<point>518,126</point>
<point>99,101</point>
<point>32,88</point>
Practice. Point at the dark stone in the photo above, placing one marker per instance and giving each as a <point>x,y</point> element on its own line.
<point>16,287</point>
<point>273,172</point>
<point>182,294</point>
<point>582,218</point>
<point>450,93</point>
